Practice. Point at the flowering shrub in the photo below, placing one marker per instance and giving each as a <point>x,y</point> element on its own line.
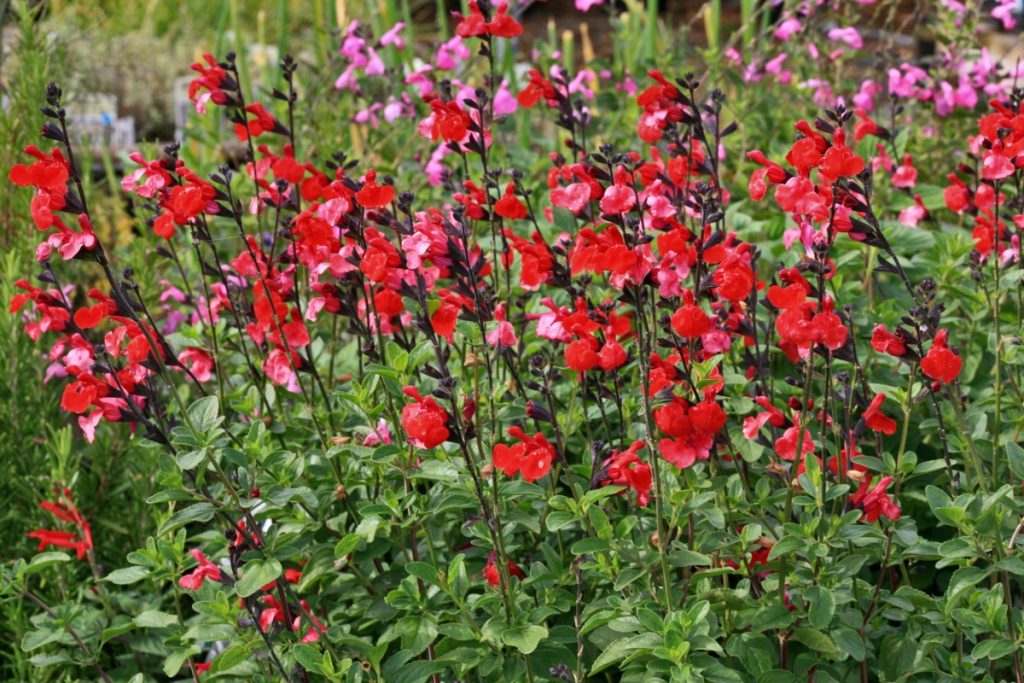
<point>596,420</point>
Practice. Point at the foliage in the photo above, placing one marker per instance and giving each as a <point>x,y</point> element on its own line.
<point>513,370</point>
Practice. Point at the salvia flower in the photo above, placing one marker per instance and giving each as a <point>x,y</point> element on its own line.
<point>941,363</point>
<point>531,457</point>
<point>193,581</point>
<point>493,575</point>
<point>65,510</point>
<point>424,421</point>
<point>625,468</point>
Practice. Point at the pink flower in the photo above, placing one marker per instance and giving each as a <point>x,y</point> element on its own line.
<point>503,335</point>
<point>1003,11</point>
<point>914,214</point>
<point>585,5</point>
<point>380,435</point>
<point>451,54</point>
<point>905,176</point>
<point>505,102</point>
<point>848,35</point>
<point>787,28</point>
<point>205,570</point>
<point>392,37</point>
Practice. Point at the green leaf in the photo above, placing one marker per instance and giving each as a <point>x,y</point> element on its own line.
<point>308,656</point>
<point>204,414</point>
<point>230,658</point>
<point>622,648</point>
<point>257,574</point>
<point>822,606</point>
<point>590,545</point>
<point>993,648</point>
<point>153,618</point>
<point>128,575</point>
<point>814,639</point>
<point>559,519</point>
<point>43,560</point>
<point>524,638</point>
<point>346,545</point>
<point>190,459</point>
<point>200,512</point>
<point>34,640</point>
<point>786,545</point>
<point>850,642</point>
<point>681,557</point>
<point>422,570</point>
<point>1016,456</point>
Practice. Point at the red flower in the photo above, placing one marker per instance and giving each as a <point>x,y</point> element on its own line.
<point>839,161</point>
<point>785,445</point>
<point>538,87</point>
<point>574,197</point>
<point>262,122</point>
<point>372,195</point>
<point>532,457</point>
<point>424,421</point>
<point>707,416</point>
<point>65,510</point>
<point>626,469</point>
<point>206,570</point>
<point>79,395</point>
<point>212,78</point>
<point>49,173</point>
<point>504,26</point>
<point>875,501</point>
<point>493,575</point>
<point>581,356</point>
<point>884,341</point>
<point>876,420</point>
<point>473,25</point>
<point>690,321</point>
<point>804,155</point>
<point>865,125</point>
<point>450,121</point>
<point>941,363</point>
<point>618,198</point>
<point>956,196</point>
<point>509,205</point>
<point>611,355</point>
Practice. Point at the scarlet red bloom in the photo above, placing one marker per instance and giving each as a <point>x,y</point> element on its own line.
<point>48,173</point>
<point>786,445</point>
<point>875,500</point>
<point>690,321</point>
<point>193,581</point>
<point>839,161</point>
<point>262,121</point>
<point>626,469</point>
<point>450,121</point>
<point>509,205</point>
<point>581,356</point>
<point>65,510</point>
<point>941,363</point>
<point>532,457</point>
<point>502,25</point>
<point>424,421</point>
<point>884,341</point>
<point>876,420</point>
<point>372,195</point>
<point>538,87</point>
<point>493,574</point>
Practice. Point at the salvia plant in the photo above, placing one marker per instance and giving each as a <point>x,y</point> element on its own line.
<point>588,418</point>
